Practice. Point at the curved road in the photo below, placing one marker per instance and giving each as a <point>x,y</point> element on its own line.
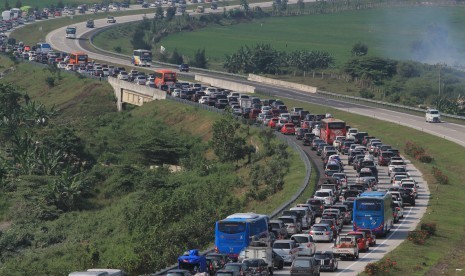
<point>450,131</point>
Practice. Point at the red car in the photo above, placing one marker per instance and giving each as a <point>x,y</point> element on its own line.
<point>288,128</point>
<point>272,123</point>
<point>370,236</point>
<point>362,241</point>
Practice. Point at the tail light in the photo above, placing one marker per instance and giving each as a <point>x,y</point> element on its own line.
<point>327,232</point>
<point>398,208</point>
<point>311,232</point>
<point>217,250</point>
<point>309,245</point>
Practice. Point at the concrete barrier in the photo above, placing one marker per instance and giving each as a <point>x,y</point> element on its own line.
<point>226,84</point>
<point>297,86</point>
<point>128,92</point>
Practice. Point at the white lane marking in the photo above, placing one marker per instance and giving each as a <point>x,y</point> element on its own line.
<point>387,239</point>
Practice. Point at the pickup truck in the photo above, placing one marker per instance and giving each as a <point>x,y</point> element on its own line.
<point>346,247</point>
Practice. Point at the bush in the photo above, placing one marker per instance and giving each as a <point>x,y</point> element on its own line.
<point>50,81</point>
<point>366,94</point>
<point>425,158</point>
<point>441,178</point>
<point>381,267</point>
<point>429,227</point>
<point>418,237</point>
<point>414,149</point>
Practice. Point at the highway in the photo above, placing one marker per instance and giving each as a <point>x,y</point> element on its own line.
<point>449,131</point>
<point>396,236</point>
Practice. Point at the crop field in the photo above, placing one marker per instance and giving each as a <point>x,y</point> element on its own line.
<point>435,33</point>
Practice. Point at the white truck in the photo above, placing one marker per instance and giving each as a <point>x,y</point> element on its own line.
<point>432,116</point>
<point>346,247</point>
<point>260,250</point>
<point>6,15</point>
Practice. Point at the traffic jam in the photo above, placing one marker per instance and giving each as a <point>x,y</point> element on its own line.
<point>366,189</point>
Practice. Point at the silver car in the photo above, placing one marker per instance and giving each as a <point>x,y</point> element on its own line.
<point>321,232</point>
<point>287,249</point>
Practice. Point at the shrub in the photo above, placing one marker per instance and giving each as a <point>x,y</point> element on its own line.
<point>366,94</point>
<point>50,81</point>
<point>418,237</point>
<point>429,227</point>
<point>381,267</point>
<point>414,149</point>
<point>425,158</point>
<point>441,178</point>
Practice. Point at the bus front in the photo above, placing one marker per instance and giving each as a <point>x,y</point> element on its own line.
<point>146,58</point>
<point>231,237</point>
<point>71,32</point>
<point>368,213</point>
<point>169,78</point>
<point>82,59</point>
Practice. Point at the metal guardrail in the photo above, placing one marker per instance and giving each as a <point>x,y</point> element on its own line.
<point>284,138</point>
<point>336,95</point>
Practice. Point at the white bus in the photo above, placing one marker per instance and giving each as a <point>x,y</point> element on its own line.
<point>71,32</point>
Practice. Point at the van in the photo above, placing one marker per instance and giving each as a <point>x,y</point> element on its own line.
<point>43,48</point>
<point>306,216</point>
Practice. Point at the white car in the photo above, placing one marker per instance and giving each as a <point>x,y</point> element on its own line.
<point>61,65</point>
<point>176,93</point>
<point>82,70</point>
<point>204,100</point>
<point>397,180</point>
<point>151,82</point>
<point>396,169</point>
<point>432,116</point>
<point>321,232</point>
<point>400,210</point>
<point>123,75</point>
<point>326,195</point>
<point>351,133</point>
<point>306,245</point>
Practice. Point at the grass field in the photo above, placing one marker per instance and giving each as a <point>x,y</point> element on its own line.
<point>387,32</point>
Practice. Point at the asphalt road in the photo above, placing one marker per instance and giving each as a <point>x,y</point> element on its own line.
<point>397,235</point>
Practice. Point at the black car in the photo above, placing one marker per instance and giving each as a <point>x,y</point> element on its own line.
<point>301,133</point>
<point>319,205</point>
<point>184,67</point>
<point>257,266</point>
<point>408,196</point>
<point>327,260</point>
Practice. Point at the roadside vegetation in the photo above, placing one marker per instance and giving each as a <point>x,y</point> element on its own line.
<point>85,186</point>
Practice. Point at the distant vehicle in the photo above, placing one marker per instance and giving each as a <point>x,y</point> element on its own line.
<point>141,57</point>
<point>346,247</point>
<point>230,231</point>
<point>184,67</point>
<point>373,210</point>
<point>165,77</point>
<point>43,48</point>
<point>111,19</point>
<point>330,128</point>
<point>71,32</point>
<point>192,261</point>
<point>432,116</point>
<point>78,58</point>
<point>90,23</point>
<point>327,260</point>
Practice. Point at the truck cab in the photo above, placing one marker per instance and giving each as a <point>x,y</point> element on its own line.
<point>90,23</point>
<point>433,116</point>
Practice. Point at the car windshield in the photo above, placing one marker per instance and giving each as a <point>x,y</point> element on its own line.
<point>287,220</point>
<point>232,267</point>
<point>301,263</point>
<point>224,273</point>
<point>175,274</point>
<point>408,185</point>
<point>322,256</point>
<point>332,167</point>
<point>300,239</point>
<point>282,245</point>
<point>275,225</point>
<point>318,228</point>
<point>252,263</point>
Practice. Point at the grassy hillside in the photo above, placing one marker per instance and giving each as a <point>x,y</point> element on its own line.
<point>388,32</point>
<point>107,208</point>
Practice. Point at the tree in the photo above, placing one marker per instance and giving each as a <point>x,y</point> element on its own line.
<point>200,59</point>
<point>170,13</point>
<point>176,58</point>
<point>245,5</point>
<point>359,49</point>
<point>159,13</point>
<point>301,5</point>
<point>7,5</point>
<point>60,4</point>
<point>138,41</point>
<point>18,4</point>
<point>372,69</point>
<point>226,143</point>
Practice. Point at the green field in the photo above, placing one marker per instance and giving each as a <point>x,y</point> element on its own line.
<point>387,32</point>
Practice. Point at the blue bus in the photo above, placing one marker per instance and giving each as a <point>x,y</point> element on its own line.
<point>235,232</point>
<point>373,210</point>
